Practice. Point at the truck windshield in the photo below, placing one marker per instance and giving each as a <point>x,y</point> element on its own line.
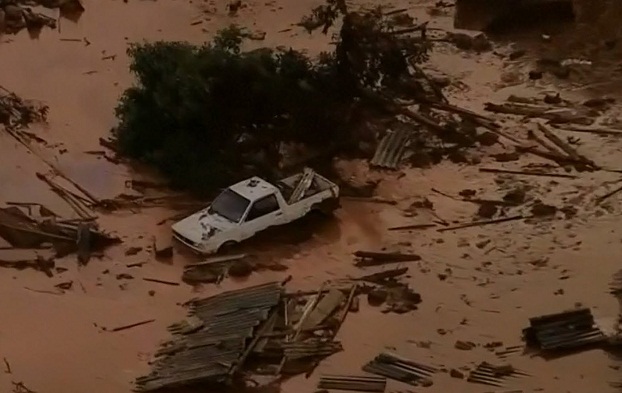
<point>230,205</point>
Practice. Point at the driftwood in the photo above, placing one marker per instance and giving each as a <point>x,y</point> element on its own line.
<point>482,223</point>
<point>132,325</point>
<point>543,112</point>
<point>411,227</point>
<point>566,147</point>
<point>380,277</point>
<point>608,195</point>
<point>527,173</point>
<point>156,280</point>
<point>605,131</point>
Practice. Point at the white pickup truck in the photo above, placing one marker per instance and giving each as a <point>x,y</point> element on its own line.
<point>251,206</point>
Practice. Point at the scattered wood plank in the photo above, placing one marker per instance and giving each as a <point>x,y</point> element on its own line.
<point>527,173</point>
<point>368,258</point>
<point>131,325</point>
<point>412,227</point>
<point>217,260</point>
<point>608,195</point>
<point>564,146</point>
<point>482,223</point>
<point>165,282</point>
<point>370,200</point>
<point>383,276</point>
<point>606,131</point>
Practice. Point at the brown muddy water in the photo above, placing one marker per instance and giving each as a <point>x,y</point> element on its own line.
<point>56,344</point>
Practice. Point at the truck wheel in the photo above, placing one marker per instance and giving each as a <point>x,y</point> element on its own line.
<point>227,246</point>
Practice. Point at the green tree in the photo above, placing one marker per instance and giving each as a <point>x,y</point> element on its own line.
<point>212,114</point>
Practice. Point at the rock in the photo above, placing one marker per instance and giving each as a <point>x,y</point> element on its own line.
<point>124,276</point>
<point>64,285</point>
<point>464,345</point>
<point>517,54</point>
<point>377,296</point>
<point>461,40</point>
<point>598,103</point>
<point>569,211</point>
<point>487,138</point>
<point>540,209</point>
<point>561,72</point>
<point>441,81</point>
<point>240,269</point>
<point>487,210</point>
<point>481,43</point>
<point>553,99</point>
<point>426,383</point>
<point>162,245</point>
<point>516,196</point>
<point>506,157</point>
<point>133,251</point>
<point>483,243</point>
<point>454,373</point>
<point>535,75</point>
<point>151,293</point>
<point>467,193</point>
<point>257,36</point>
<point>458,157</point>
<point>13,12</point>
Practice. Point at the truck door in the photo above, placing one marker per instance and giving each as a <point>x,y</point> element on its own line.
<point>264,213</point>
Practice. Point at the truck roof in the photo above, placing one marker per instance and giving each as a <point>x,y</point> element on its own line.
<point>253,188</point>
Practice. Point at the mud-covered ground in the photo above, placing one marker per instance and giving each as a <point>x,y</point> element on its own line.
<point>497,276</point>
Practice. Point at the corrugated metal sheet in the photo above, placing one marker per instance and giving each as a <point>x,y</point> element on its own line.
<point>207,348</point>
<point>615,287</point>
<point>352,383</point>
<point>391,149</point>
<point>566,330</point>
<point>489,374</point>
<point>398,368</point>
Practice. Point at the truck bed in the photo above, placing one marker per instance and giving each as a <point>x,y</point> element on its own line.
<point>318,185</point>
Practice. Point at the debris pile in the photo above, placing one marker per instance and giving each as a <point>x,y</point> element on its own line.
<point>16,113</point>
<point>573,329</point>
<point>16,15</point>
<point>32,226</point>
<point>260,328</point>
<point>384,288</point>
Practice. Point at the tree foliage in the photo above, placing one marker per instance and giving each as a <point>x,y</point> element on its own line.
<point>211,114</point>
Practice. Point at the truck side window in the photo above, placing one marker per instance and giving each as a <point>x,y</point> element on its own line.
<point>263,206</point>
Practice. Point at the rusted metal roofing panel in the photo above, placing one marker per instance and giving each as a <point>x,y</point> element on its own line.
<point>570,329</point>
<point>398,368</point>
<point>391,149</point>
<point>352,383</point>
<point>489,374</point>
<point>208,352</point>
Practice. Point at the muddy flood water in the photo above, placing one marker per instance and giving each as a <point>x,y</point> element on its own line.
<point>478,284</point>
